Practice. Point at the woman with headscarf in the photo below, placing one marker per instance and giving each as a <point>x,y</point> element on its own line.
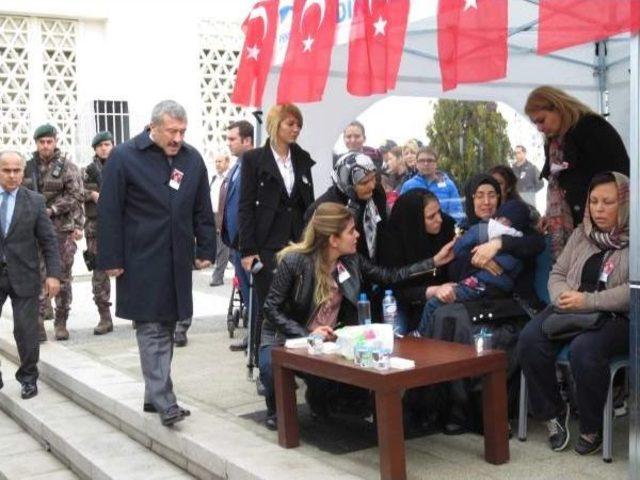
<point>579,144</point>
<point>355,186</point>
<point>417,229</point>
<point>591,275</point>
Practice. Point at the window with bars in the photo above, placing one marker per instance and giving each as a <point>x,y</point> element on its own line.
<point>112,116</point>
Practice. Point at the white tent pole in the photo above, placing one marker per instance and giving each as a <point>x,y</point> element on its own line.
<point>634,258</point>
<point>601,72</point>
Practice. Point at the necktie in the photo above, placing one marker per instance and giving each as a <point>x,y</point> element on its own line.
<point>4,208</point>
<point>222,200</point>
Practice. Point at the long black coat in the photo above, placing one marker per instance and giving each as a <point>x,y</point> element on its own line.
<point>148,228</point>
<point>268,217</point>
<point>590,147</point>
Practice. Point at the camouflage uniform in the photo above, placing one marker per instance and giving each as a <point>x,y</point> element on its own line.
<point>92,178</point>
<point>60,182</point>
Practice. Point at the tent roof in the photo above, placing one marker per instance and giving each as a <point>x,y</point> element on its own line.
<point>574,70</point>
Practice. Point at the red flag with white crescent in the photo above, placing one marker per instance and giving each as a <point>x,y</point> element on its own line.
<point>306,65</point>
<point>255,59</point>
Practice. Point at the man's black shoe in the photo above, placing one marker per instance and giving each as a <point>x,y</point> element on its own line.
<point>559,430</point>
<point>216,283</point>
<point>180,339</point>
<point>174,414</point>
<point>149,408</point>
<point>240,345</point>
<point>587,447</point>
<point>29,390</point>
<point>452,428</point>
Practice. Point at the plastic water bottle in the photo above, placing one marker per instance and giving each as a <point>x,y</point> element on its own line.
<point>390,310</point>
<point>364,310</point>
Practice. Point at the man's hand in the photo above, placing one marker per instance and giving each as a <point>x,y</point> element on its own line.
<point>247,262</point>
<point>445,255</point>
<point>483,254</point>
<point>200,264</point>
<point>115,272</point>
<point>94,196</point>
<point>77,234</point>
<point>446,293</point>
<point>49,212</point>
<point>51,286</point>
<point>571,300</point>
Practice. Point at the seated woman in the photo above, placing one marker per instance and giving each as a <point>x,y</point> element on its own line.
<point>475,284</point>
<point>591,275</point>
<point>453,322</point>
<point>316,288</point>
<point>417,229</point>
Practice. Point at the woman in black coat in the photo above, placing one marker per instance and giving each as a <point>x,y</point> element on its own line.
<point>417,229</point>
<point>276,190</point>
<point>355,186</point>
<point>579,144</point>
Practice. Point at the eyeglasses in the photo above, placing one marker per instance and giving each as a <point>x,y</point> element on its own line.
<point>426,160</point>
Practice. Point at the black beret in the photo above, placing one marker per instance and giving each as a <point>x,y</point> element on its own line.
<point>46,130</point>
<point>101,137</point>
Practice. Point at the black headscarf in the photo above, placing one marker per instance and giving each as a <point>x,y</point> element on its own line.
<point>408,241</point>
<point>470,189</point>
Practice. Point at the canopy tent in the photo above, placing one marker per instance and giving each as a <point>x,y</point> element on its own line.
<point>585,71</point>
<point>607,78</point>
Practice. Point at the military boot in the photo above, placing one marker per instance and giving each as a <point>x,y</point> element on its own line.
<point>42,333</point>
<point>105,325</point>
<point>60,329</point>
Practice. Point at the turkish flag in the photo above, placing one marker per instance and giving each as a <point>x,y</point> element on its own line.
<point>255,59</point>
<point>472,41</point>
<point>376,40</point>
<point>565,23</point>
<point>306,63</point>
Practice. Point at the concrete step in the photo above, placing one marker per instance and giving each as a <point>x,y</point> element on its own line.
<point>207,444</point>
<point>23,458</point>
<point>91,447</point>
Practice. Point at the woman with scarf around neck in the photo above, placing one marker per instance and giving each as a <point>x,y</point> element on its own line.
<point>579,144</point>
<point>417,229</point>
<point>591,275</point>
<point>355,186</point>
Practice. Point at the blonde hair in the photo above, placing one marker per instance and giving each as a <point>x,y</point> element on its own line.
<point>411,146</point>
<point>550,98</point>
<point>276,115</point>
<point>328,219</point>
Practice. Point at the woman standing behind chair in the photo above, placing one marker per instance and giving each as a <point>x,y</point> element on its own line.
<point>276,190</point>
<point>591,275</point>
<point>579,144</point>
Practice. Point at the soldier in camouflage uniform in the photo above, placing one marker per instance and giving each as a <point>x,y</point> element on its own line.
<point>55,176</point>
<point>92,178</point>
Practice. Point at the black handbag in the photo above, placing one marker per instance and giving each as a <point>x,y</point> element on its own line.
<point>566,325</point>
<point>489,310</point>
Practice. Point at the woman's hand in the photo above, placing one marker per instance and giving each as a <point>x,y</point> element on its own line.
<point>446,293</point>
<point>542,225</point>
<point>483,254</point>
<point>326,332</point>
<point>445,255</point>
<point>571,300</point>
<point>493,268</point>
<point>431,291</point>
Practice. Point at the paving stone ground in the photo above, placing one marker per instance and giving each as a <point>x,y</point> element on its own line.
<point>208,375</point>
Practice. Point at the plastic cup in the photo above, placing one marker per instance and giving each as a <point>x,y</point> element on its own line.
<point>314,344</point>
<point>483,342</point>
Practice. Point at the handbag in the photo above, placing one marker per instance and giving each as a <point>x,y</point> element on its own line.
<point>494,310</point>
<point>566,325</point>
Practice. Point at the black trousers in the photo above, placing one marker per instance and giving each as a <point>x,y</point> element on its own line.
<point>25,329</point>
<point>590,355</point>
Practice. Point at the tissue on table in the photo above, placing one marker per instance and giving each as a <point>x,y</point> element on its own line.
<point>296,342</point>
<point>349,337</point>
<point>401,363</point>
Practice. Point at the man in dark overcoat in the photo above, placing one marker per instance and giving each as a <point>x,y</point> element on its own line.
<point>154,202</point>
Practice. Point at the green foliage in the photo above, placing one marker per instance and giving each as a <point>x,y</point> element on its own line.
<point>470,138</point>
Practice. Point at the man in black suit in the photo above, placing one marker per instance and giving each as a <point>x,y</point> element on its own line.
<point>25,226</point>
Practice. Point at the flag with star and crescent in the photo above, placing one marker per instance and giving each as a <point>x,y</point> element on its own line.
<point>376,41</point>
<point>472,41</point>
<point>259,28</point>
<point>306,63</point>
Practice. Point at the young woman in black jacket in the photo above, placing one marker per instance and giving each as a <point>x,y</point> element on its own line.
<point>317,284</point>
